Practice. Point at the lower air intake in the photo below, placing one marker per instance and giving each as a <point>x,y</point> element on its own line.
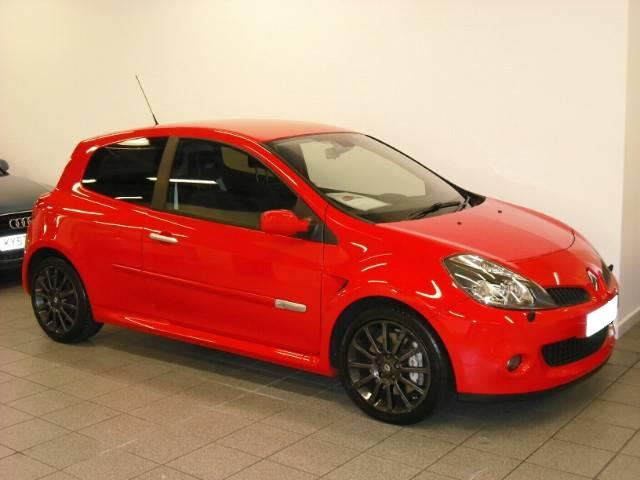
<point>573,349</point>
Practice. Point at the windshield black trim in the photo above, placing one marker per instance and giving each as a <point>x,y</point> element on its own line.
<point>476,199</point>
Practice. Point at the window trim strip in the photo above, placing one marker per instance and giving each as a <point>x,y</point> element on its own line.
<point>161,187</point>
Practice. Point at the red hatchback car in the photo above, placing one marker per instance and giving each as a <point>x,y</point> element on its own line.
<point>321,249</point>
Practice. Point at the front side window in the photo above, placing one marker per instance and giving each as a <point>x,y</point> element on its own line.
<point>367,178</point>
<point>218,182</point>
<point>126,170</point>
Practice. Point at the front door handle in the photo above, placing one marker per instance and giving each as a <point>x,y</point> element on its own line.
<point>163,238</point>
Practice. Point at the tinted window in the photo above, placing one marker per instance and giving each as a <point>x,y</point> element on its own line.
<point>221,183</point>
<point>369,179</point>
<point>127,170</point>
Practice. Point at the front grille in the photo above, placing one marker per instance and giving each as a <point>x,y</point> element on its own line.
<point>573,349</point>
<point>564,296</point>
<point>8,223</point>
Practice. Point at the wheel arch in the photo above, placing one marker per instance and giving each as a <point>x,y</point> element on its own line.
<point>349,313</point>
<point>39,255</point>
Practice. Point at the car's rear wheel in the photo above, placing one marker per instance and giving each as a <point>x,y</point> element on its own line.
<point>60,302</point>
<point>393,367</point>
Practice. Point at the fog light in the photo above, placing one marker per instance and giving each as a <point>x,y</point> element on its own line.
<point>612,330</point>
<point>514,362</point>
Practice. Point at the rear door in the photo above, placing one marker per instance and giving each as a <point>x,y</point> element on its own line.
<point>210,267</point>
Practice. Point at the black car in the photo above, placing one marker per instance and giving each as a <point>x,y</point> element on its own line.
<point>17,196</point>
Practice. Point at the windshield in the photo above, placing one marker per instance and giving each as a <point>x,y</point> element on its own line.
<point>369,179</point>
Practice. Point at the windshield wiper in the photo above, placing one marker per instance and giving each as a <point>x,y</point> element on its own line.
<point>467,202</point>
<point>433,208</point>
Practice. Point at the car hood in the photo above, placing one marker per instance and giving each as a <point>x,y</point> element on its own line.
<point>18,194</point>
<point>494,229</point>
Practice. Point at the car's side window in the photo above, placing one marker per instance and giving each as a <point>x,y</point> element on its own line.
<point>218,182</point>
<point>126,170</point>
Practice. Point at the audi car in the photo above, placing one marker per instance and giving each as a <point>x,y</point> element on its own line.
<point>321,249</point>
<point>17,196</point>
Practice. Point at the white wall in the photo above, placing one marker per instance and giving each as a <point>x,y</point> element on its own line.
<point>516,99</point>
<point>630,303</point>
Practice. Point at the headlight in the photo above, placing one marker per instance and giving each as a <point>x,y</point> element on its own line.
<point>492,284</point>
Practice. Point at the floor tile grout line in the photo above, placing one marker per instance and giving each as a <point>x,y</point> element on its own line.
<point>552,436</point>
<point>619,452</point>
<point>260,459</point>
<point>30,357</point>
<point>121,448</point>
<point>305,437</point>
<point>155,464</point>
<point>401,429</point>
<point>560,428</point>
<point>40,393</point>
<point>427,471</point>
<point>101,452</point>
<point>168,468</point>
<point>215,440</point>
<point>22,452</point>
<point>361,453</point>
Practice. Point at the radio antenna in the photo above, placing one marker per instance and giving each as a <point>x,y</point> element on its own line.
<point>147,100</point>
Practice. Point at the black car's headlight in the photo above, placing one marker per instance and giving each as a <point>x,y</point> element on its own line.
<point>492,284</point>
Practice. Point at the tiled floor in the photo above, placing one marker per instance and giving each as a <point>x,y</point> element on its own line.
<point>127,405</point>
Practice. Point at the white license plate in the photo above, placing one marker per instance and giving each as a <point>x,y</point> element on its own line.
<point>603,316</point>
<point>12,242</point>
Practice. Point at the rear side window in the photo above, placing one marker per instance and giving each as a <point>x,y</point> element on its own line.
<point>127,170</point>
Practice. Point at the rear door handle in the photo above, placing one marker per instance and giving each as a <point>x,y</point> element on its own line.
<point>163,238</point>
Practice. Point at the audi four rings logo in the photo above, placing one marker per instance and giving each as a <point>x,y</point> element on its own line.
<point>19,223</point>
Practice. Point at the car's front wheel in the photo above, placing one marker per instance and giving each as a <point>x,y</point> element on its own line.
<point>60,302</point>
<point>392,366</point>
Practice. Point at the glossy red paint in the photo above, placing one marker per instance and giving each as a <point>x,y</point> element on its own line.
<point>218,286</point>
<point>283,222</point>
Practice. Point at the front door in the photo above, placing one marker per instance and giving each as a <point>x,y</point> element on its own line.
<point>209,266</point>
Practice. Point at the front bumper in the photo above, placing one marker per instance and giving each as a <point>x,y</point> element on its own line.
<point>483,339</point>
<point>11,260</point>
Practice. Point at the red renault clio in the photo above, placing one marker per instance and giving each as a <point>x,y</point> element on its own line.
<point>321,249</point>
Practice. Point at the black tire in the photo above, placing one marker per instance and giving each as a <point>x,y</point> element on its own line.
<point>60,302</point>
<point>382,378</point>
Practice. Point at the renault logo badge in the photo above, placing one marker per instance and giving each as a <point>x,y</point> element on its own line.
<point>593,279</point>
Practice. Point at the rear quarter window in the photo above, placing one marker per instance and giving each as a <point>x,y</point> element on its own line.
<point>126,170</point>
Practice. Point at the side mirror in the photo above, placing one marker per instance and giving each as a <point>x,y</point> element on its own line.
<point>4,165</point>
<point>283,222</point>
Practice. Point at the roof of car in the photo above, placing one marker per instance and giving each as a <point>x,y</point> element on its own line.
<point>262,130</point>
